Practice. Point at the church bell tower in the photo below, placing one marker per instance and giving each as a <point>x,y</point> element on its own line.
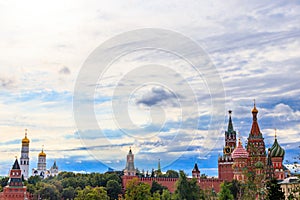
<point>24,159</point>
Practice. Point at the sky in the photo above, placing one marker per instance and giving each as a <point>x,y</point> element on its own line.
<point>152,100</point>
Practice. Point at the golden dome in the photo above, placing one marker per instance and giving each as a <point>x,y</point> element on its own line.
<point>254,110</point>
<point>25,139</point>
<point>42,153</point>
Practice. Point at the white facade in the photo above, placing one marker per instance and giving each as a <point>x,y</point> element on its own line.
<point>42,170</point>
<point>24,159</point>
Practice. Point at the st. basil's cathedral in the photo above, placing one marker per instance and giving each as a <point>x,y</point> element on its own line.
<point>237,162</point>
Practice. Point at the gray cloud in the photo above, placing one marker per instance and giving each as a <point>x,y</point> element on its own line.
<point>157,96</point>
<point>65,70</point>
<point>7,82</point>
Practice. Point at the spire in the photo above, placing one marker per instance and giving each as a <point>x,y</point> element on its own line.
<point>230,126</point>
<point>54,165</point>
<point>16,164</point>
<point>255,131</point>
<point>129,169</point>
<point>196,169</point>
<point>158,167</point>
<point>130,152</point>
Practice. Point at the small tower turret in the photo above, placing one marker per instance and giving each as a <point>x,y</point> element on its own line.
<point>196,172</point>
<point>129,169</point>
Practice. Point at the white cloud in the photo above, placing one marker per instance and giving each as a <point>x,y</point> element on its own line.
<point>255,47</point>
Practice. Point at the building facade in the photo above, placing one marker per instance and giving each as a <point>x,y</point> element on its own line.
<point>41,169</point>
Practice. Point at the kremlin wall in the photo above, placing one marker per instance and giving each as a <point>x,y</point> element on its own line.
<point>237,162</point>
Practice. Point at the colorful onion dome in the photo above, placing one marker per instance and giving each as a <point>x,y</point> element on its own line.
<point>42,153</point>
<point>276,150</point>
<point>239,152</point>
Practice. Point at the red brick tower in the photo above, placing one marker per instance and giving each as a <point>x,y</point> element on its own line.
<point>15,189</point>
<point>256,148</point>
<point>225,161</point>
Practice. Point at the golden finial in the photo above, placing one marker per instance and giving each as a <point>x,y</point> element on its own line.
<point>275,133</point>
<point>254,110</point>
<point>16,157</point>
<point>25,132</point>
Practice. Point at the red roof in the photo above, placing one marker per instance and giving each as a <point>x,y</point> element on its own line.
<point>239,152</point>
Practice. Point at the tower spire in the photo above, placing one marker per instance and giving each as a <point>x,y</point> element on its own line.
<point>158,167</point>
<point>275,133</point>
<point>255,131</point>
<point>230,126</point>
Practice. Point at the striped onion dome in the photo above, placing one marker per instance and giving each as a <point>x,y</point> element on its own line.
<point>239,152</point>
<point>276,150</point>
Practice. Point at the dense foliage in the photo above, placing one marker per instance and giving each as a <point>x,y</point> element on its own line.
<point>107,186</point>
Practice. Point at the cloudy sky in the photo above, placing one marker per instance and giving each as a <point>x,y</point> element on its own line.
<point>151,100</point>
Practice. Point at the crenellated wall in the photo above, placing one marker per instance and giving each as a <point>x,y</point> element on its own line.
<point>170,183</point>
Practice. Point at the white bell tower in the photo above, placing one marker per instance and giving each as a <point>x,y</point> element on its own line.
<point>24,159</point>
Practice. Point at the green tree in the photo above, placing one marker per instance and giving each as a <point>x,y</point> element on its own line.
<point>236,189</point>
<point>3,181</point>
<point>48,191</point>
<point>156,196</point>
<point>274,190</point>
<point>114,188</point>
<point>34,179</point>
<point>89,193</point>
<point>172,174</point>
<point>68,193</point>
<point>156,187</point>
<point>137,191</point>
<point>225,193</point>
<point>185,189</point>
<point>166,195</point>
